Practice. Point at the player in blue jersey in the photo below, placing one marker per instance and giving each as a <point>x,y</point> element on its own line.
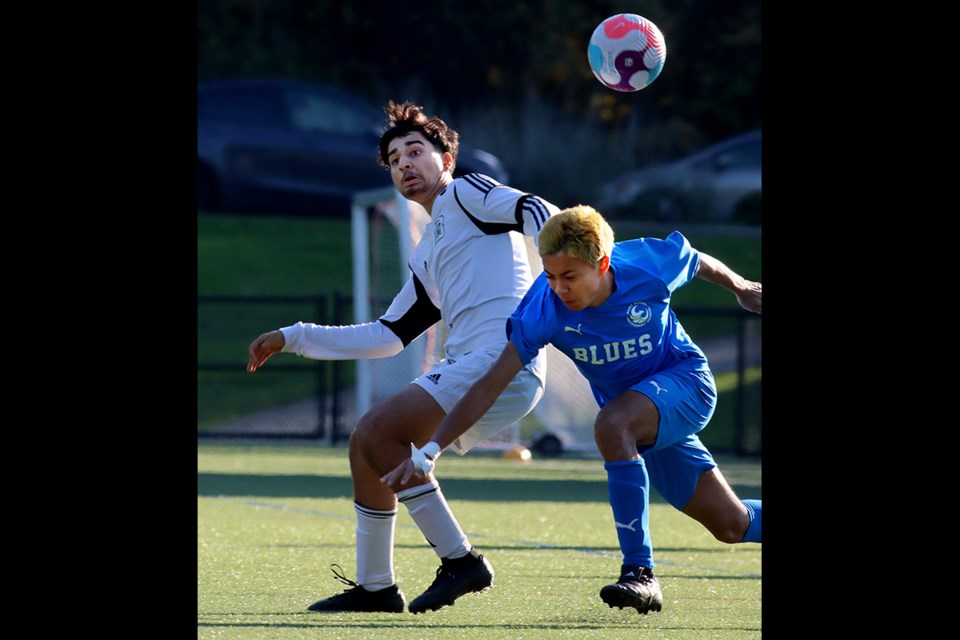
<point>469,270</point>
<point>606,306</point>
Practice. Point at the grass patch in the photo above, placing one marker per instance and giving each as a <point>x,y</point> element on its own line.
<point>271,520</point>
<point>272,255</point>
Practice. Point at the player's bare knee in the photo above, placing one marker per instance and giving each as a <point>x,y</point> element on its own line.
<point>352,441</point>
<point>366,438</point>
<point>730,530</point>
<point>605,432</point>
<point>358,449</point>
<point>613,438</point>
<point>615,427</point>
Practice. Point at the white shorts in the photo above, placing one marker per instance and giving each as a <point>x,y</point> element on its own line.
<point>450,380</point>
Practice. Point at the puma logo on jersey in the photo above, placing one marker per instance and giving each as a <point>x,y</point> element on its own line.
<point>626,526</point>
<point>577,330</point>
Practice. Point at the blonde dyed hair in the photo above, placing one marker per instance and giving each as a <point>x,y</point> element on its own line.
<point>580,232</point>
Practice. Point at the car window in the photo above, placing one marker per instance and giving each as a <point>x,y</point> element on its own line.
<point>241,106</point>
<point>314,112</point>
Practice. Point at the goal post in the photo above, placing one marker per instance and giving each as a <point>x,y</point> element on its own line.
<point>375,214</point>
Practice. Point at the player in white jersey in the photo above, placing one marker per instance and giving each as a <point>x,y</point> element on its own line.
<point>607,307</point>
<point>469,270</point>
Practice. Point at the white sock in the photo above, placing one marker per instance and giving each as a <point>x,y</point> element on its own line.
<point>375,547</point>
<point>430,512</point>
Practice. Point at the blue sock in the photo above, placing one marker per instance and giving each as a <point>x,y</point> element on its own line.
<point>629,490</point>
<point>755,530</point>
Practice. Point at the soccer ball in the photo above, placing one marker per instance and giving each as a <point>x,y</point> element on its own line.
<point>626,52</point>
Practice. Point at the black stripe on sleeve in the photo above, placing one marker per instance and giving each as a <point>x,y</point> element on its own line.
<point>526,204</point>
<point>480,183</point>
<point>534,206</point>
<point>490,228</point>
<point>418,318</point>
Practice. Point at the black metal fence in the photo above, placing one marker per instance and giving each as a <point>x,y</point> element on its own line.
<point>313,400</point>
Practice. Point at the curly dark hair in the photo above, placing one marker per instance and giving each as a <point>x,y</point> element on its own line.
<point>407,117</point>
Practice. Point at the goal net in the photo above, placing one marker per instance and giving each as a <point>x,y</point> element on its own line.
<point>385,228</point>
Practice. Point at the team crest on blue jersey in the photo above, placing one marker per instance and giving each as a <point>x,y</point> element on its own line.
<point>639,314</point>
<point>438,229</point>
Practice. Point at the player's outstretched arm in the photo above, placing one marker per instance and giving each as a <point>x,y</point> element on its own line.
<point>749,294</point>
<point>479,398</point>
<point>263,347</point>
<point>471,407</point>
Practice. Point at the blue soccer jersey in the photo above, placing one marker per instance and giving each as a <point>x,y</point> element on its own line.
<point>633,334</point>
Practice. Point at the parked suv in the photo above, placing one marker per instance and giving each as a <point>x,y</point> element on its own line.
<point>281,145</point>
<point>721,183</point>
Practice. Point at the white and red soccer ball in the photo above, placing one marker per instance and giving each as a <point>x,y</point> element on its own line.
<point>626,52</point>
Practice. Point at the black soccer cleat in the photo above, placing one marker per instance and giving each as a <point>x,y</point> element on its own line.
<point>389,600</point>
<point>637,588</point>
<point>456,577</point>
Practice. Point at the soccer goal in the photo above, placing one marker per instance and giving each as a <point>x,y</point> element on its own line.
<point>385,228</point>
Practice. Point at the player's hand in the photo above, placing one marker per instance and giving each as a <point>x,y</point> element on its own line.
<point>424,459</point>
<point>398,478</point>
<point>263,347</point>
<point>420,462</point>
<point>751,298</point>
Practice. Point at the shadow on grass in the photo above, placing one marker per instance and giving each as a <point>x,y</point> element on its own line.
<point>496,490</point>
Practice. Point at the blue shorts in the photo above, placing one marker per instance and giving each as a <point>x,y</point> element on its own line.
<point>686,397</point>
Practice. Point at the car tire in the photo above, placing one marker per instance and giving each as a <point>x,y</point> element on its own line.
<point>548,445</point>
<point>207,190</point>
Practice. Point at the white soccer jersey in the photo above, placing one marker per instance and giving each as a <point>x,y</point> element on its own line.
<point>471,265</point>
<point>470,269</point>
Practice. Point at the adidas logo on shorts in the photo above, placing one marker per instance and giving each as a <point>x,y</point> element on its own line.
<point>434,378</point>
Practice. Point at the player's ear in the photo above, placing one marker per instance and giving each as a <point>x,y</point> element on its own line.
<point>604,264</point>
<point>447,160</point>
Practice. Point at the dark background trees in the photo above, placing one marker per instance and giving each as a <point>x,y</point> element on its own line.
<point>499,69</point>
